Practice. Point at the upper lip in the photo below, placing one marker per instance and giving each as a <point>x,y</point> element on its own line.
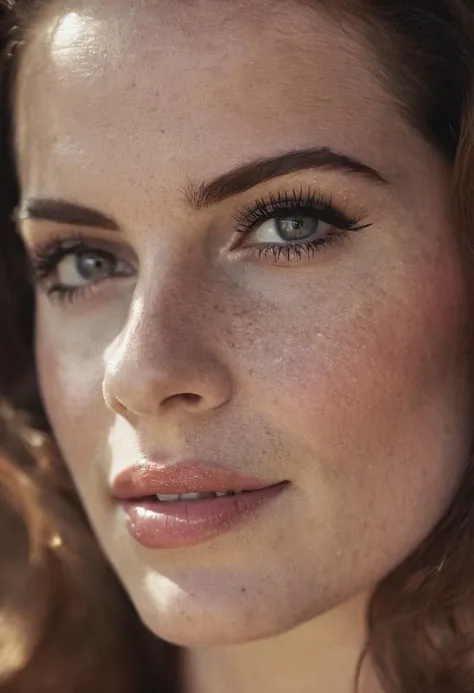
<point>153,478</point>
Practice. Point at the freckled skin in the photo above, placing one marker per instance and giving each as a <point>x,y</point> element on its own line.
<point>347,375</point>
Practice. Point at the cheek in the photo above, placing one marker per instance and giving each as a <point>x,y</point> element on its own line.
<point>70,366</point>
<point>371,385</point>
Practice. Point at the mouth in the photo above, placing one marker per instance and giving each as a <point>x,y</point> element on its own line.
<point>183,505</point>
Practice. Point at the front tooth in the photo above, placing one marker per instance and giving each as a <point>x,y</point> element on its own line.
<point>195,496</point>
<point>169,497</point>
<point>189,496</point>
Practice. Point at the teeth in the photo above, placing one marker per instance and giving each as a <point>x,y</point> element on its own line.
<point>169,497</point>
<point>195,496</point>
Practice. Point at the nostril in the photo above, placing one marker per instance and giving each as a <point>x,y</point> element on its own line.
<point>115,403</point>
<point>190,397</point>
<point>187,399</point>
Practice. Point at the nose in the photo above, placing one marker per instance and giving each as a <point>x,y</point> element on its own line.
<point>163,362</point>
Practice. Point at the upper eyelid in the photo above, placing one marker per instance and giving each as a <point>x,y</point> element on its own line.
<point>303,197</point>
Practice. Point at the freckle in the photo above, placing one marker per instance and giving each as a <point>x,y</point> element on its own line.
<point>244,589</point>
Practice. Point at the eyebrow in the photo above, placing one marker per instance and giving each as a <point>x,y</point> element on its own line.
<point>204,195</point>
<point>246,177</point>
<point>64,212</point>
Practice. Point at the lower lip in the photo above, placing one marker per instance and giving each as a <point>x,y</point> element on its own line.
<point>177,524</point>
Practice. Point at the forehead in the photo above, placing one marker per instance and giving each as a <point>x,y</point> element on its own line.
<point>173,86</point>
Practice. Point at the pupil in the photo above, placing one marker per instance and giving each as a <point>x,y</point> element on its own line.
<point>93,266</point>
<point>295,228</point>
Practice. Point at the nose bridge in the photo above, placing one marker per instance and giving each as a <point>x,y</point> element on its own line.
<point>162,322</point>
<point>164,353</point>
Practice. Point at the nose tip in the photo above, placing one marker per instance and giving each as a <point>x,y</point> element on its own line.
<point>132,406</point>
<point>163,361</point>
<point>135,389</point>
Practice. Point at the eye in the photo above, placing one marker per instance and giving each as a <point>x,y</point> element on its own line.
<point>85,267</point>
<point>71,267</point>
<point>288,229</point>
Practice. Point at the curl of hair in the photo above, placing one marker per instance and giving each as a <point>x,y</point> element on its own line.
<point>64,621</point>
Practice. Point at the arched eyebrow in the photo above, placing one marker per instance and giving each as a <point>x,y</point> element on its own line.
<point>204,195</point>
<point>246,177</point>
<point>63,212</point>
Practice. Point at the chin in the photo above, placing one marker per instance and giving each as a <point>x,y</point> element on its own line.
<point>185,630</point>
<point>187,620</point>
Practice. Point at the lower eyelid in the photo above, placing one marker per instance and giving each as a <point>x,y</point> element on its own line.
<point>84,292</point>
<point>295,253</point>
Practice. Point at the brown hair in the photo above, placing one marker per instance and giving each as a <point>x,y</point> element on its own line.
<point>64,621</point>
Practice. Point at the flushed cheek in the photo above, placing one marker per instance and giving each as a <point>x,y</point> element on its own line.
<point>374,408</point>
<point>382,380</point>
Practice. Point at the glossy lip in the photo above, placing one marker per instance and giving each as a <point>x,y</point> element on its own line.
<point>182,523</point>
<point>152,478</point>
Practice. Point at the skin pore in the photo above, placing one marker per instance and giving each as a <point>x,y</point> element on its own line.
<point>341,368</point>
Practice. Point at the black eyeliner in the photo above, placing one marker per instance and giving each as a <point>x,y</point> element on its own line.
<point>301,202</point>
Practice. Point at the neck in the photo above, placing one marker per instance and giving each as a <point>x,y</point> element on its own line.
<point>319,656</point>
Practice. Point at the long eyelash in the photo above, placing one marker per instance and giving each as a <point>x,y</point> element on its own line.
<point>299,200</point>
<point>44,257</point>
<point>295,251</point>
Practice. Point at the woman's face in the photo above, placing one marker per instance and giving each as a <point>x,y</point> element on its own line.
<point>302,321</point>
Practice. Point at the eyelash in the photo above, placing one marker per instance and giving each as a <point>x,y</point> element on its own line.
<point>45,258</point>
<point>301,202</point>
